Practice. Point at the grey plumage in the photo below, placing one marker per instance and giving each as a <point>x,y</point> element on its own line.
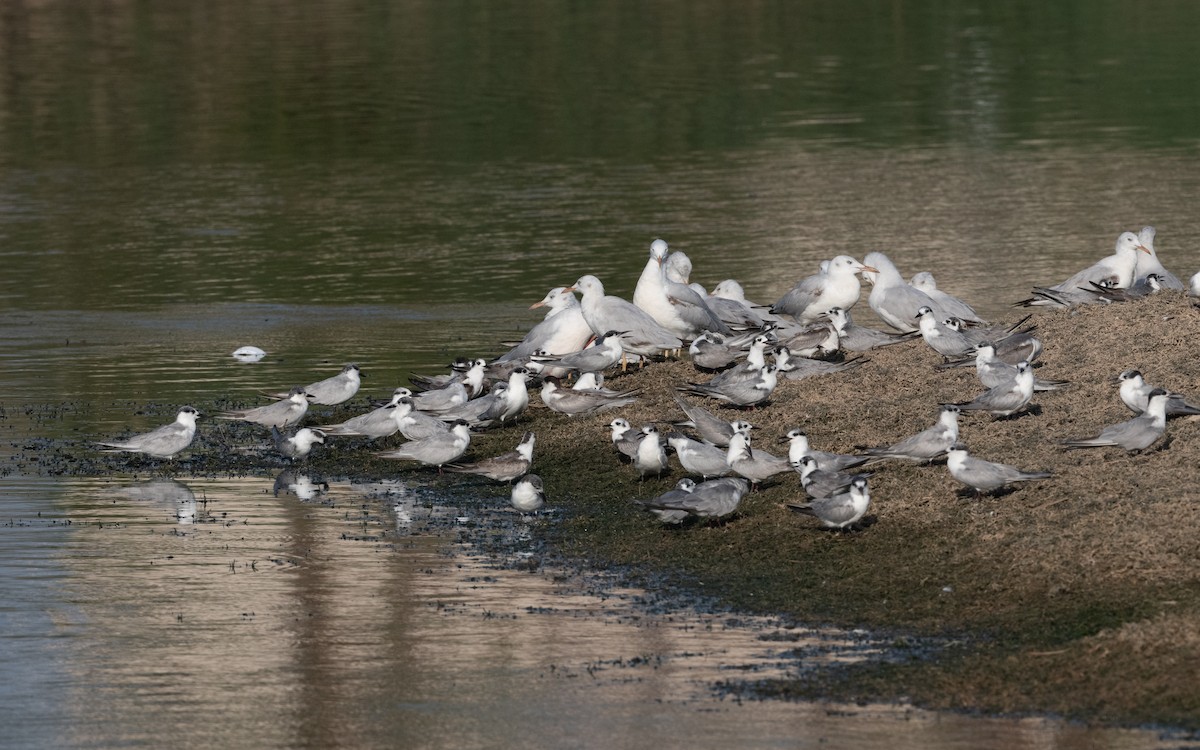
<point>1136,434</point>
<point>436,450</point>
<point>819,483</point>
<point>1135,393</point>
<point>925,445</point>
<point>740,393</point>
<point>334,390</point>
<point>840,511</point>
<point>856,338</point>
<point>755,465</point>
<point>574,402</point>
<point>284,413</point>
<point>162,442</point>
<point>986,476</point>
<point>299,444</point>
<point>712,499</point>
<point>528,494</point>
<point>799,447</point>
<point>505,467</point>
<point>697,457</point>
<point>378,423</point>
<point>1005,398</point>
<point>711,428</point>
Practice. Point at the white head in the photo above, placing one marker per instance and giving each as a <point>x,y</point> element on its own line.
<point>658,251</point>
<point>678,267</point>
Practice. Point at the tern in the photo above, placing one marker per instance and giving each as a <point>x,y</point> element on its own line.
<point>925,445</point>
<point>819,483</point>
<point>841,511</point>
<point>606,353</point>
<point>945,340</point>
<point>650,458</point>
<point>712,499</point>
<point>986,476</point>
<point>664,506</point>
<point>505,467</point>
<point>624,439</point>
<point>699,458</point>
<point>799,368</point>
<point>576,402</point>
<point>528,495</point>
<point>755,465</point>
<point>993,372</point>
<point>436,450</point>
<point>743,393</point>
<point>856,338</point>
<point>1136,434</point>
<point>379,423</point>
<point>799,447</point>
<point>334,390</point>
<point>284,413</point>
<point>1008,397</point>
<point>1135,393</point>
<point>162,442</point>
<point>299,444</point>
<point>711,428</point>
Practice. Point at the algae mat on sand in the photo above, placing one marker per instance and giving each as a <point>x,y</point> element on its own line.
<point>1078,595</point>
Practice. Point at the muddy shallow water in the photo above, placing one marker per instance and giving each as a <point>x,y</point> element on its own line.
<point>300,613</point>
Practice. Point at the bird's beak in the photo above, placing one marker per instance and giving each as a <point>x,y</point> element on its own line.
<point>569,289</point>
<point>1144,249</point>
<point>869,269</point>
<point>537,304</point>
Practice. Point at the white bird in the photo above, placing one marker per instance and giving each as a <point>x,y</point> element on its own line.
<point>1006,398</point>
<point>841,511</point>
<point>505,467</point>
<point>947,303</point>
<point>927,444</point>
<point>436,450</point>
<point>334,390</point>
<point>643,335</point>
<point>528,495</point>
<point>820,483</point>
<point>1114,272</point>
<point>623,438</point>
<point>755,465</point>
<point>162,442</point>
<point>728,301</point>
<point>799,447</point>
<point>943,339</point>
<point>986,476</point>
<point>894,300</point>
<point>1194,288</point>
<point>697,457</point>
<point>815,295</point>
<point>1135,393</point>
<point>650,457</point>
<point>299,444</point>
<point>1136,434</point>
<point>563,329</point>
<point>671,302</point>
<point>283,413</point>
<point>1152,265</point>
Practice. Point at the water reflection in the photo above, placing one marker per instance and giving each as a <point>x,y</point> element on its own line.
<point>278,622</point>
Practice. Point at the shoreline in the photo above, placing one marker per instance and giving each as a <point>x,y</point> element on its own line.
<point>1073,597</point>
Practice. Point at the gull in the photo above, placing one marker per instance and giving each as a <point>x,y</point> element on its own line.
<point>685,314</point>
<point>711,428</point>
<point>743,393</point>
<point>1194,288</point>
<point>1136,434</point>
<point>799,368</point>
<point>895,301</point>
<point>986,476</point>
<point>623,437</point>
<point>663,506</point>
<point>755,465</point>
<point>643,335</point>
<point>604,354</point>
<point>563,329</point>
<point>379,423</point>
<point>438,449</point>
<point>650,457</point>
<point>945,340</point>
<point>799,447</point>
<point>1135,393</point>
<point>1152,265</point>
<point>1115,272</point>
<point>925,445</point>
<point>728,301</point>
<point>815,295</point>
<point>527,494</point>
<point>819,483</point>
<point>697,457</point>
<point>856,338</point>
<point>947,303</point>
<point>284,413</point>
<point>505,467</point>
<point>299,444</point>
<point>161,442</point>
<point>712,499</point>
<point>841,511</point>
<point>334,390</point>
<point>993,372</point>
<point>574,402</point>
<point>1006,398</point>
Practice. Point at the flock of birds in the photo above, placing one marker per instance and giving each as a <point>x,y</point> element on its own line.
<point>747,348</point>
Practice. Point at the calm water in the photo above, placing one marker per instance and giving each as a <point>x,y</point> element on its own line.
<point>393,184</point>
